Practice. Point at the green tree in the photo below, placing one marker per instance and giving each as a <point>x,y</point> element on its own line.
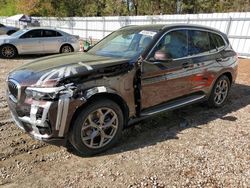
<point>8,8</point>
<point>72,8</point>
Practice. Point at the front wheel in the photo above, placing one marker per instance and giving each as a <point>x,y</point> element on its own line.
<point>97,127</point>
<point>219,92</point>
<point>8,51</point>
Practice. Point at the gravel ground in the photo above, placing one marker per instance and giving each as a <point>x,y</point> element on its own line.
<point>191,147</point>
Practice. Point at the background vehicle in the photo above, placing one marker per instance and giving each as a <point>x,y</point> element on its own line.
<point>7,30</point>
<point>38,41</point>
<point>134,73</point>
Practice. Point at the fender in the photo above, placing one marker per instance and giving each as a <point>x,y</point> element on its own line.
<point>96,90</point>
<point>81,99</point>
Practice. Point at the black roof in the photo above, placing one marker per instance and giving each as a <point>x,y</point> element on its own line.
<point>169,26</point>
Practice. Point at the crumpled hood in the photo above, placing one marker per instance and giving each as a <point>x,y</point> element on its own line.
<point>42,71</point>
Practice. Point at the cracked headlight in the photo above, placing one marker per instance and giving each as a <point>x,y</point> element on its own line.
<point>43,93</point>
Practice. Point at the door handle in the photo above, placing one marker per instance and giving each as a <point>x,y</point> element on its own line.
<point>219,59</point>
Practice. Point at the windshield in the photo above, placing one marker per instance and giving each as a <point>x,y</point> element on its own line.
<point>129,43</point>
<point>18,33</point>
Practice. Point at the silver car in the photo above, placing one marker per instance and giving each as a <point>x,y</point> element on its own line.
<point>37,41</point>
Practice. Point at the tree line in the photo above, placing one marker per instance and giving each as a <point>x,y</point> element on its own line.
<point>72,8</point>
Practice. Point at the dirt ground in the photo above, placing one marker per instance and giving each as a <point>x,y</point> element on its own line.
<point>211,148</point>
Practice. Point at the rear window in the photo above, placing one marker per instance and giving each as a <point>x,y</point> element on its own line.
<point>217,42</point>
<point>198,42</point>
<point>50,33</point>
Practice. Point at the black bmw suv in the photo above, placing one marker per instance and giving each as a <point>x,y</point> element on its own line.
<point>133,73</point>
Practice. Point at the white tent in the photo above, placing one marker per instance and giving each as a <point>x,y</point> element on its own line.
<point>23,20</point>
<point>17,17</point>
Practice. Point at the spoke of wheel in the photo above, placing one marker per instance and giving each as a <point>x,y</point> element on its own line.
<point>92,142</point>
<point>110,123</point>
<point>101,116</point>
<point>102,140</point>
<point>86,138</point>
<point>86,127</point>
<point>220,98</point>
<point>103,134</point>
<point>92,123</point>
<point>106,113</point>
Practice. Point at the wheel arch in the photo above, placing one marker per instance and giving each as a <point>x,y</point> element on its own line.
<point>226,73</point>
<point>229,75</point>
<point>96,93</point>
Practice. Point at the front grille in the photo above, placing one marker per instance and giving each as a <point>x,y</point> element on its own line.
<point>14,89</point>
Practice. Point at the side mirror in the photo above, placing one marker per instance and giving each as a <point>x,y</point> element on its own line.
<point>161,56</point>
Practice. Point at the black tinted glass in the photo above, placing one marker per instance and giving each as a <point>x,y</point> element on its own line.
<point>58,34</point>
<point>198,42</point>
<point>33,34</point>
<point>49,33</point>
<point>217,41</point>
<point>174,44</point>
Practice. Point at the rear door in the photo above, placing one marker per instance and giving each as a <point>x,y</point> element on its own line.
<point>52,41</point>
<point>205,56</point>
<point>166,79</point>
<point>30,42</point>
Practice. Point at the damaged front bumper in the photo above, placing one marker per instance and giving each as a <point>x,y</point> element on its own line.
<point>48,121</point>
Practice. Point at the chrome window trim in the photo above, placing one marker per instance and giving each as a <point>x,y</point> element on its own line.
<point>188,29</point>
<point>18,91</point>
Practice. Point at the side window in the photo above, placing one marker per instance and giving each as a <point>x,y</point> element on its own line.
<point>173,44</point>
<point>49,33</point>
<point>32,34</point>
<point>144,42</point>
<point>198,42</point>
<point>58,34</point>
<point>216,41</point>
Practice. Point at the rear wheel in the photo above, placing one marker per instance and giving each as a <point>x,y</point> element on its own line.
<point>219,92</point>
<point>8,51</point>
<point>66,49</point>
<point>97,127</point>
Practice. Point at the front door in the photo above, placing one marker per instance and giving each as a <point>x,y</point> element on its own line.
<point>31,42</point>
<point>166,71</point>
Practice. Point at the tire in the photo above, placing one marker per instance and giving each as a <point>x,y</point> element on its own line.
<point>219,92</point>
<point>66,49</point>
<point>97,127</point>
<point>8,51</point>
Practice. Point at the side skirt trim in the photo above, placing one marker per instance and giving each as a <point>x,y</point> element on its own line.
<point>173,105</point>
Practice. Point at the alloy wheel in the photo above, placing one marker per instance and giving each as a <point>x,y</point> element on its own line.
<point>66,49</point>
<point>221,92</point>
<point>99,128</point>
<point>8,51</point>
